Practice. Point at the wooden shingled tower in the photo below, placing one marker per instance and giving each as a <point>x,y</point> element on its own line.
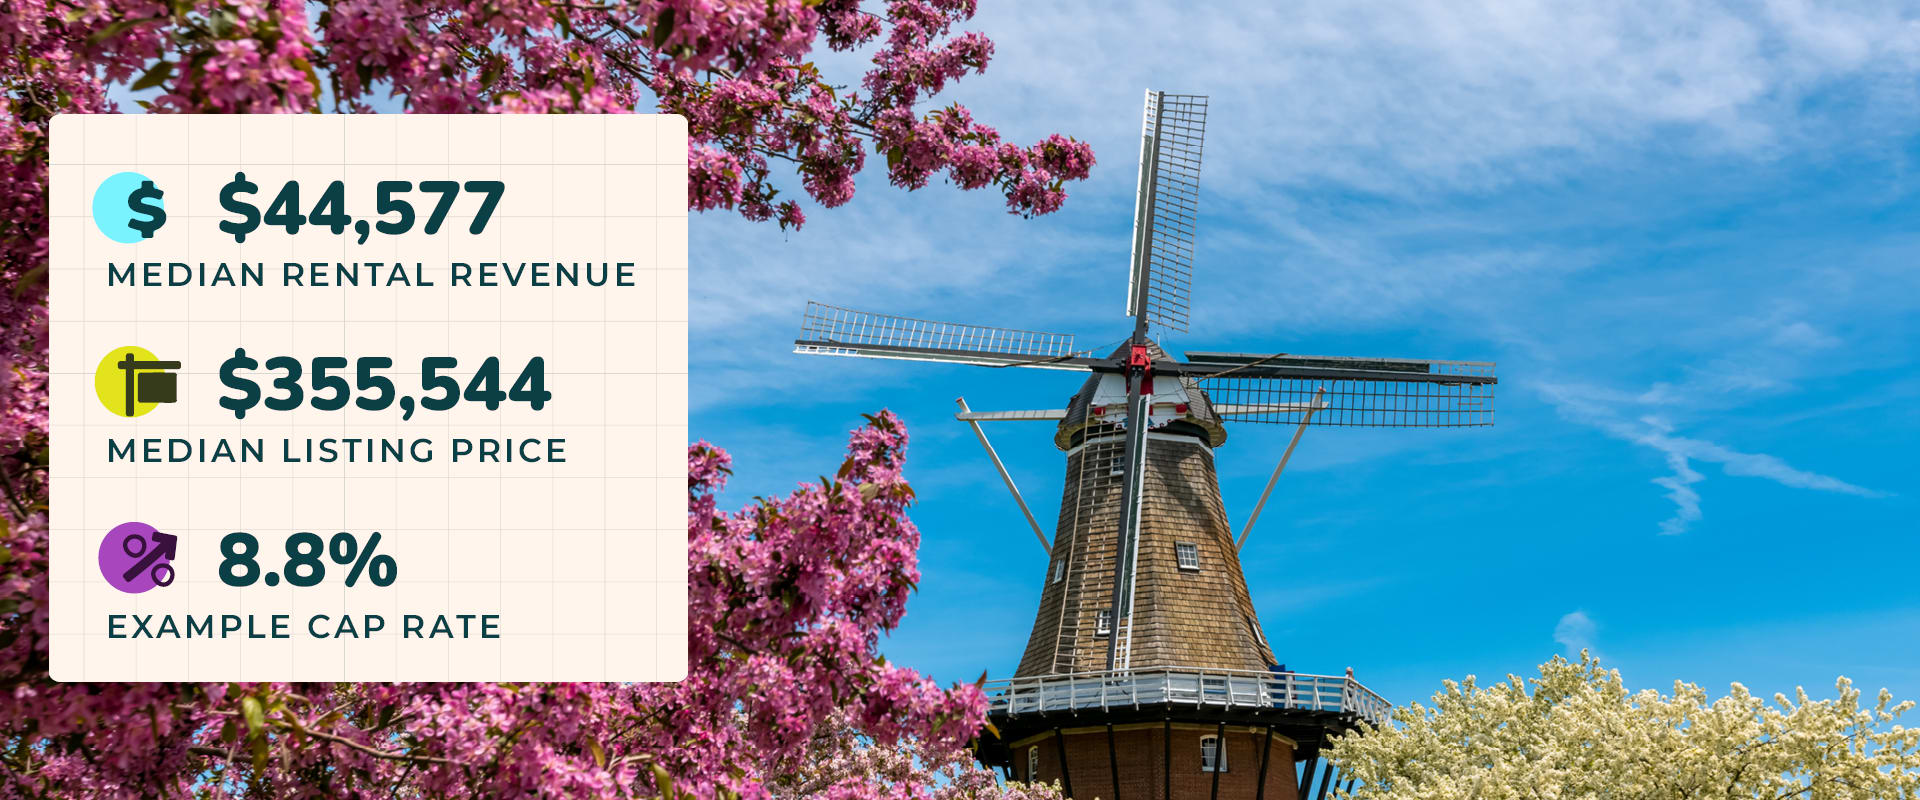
<point>1199,614</point>
<point>1146,674</point>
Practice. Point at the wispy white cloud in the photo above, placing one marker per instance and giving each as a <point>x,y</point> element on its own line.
<point>1575,632</point>
<point>1679,488</point>
<point>1411,99</point>
<point>1404,96</point>
<point>1800,335</point>
<point>1386,166</point>
<point>1696,199</point>
<point>1590,406</point>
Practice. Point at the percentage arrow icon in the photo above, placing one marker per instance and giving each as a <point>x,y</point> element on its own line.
<point>164,544</point>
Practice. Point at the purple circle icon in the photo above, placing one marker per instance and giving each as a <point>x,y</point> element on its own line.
<point>136,557</point>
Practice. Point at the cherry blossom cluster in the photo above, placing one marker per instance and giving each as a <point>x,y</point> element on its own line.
<point>788,596</point>
<point>839,763</point>
<point>758,110</point>
<point>788,599</point>
<point>737,70</point>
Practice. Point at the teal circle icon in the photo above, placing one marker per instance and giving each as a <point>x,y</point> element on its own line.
<point>127,207</point>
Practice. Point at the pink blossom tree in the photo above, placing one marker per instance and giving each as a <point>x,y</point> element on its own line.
<point>737,69</point>
<point>838,758</point>
<point>787,597</point>
<point>787,600</point>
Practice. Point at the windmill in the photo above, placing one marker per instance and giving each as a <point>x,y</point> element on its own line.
<point>1133,630</point>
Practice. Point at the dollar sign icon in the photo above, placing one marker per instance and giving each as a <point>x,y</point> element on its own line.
<point>146,200</point>
<point>249,391</point>
<point>249,216</point>
<point>119,203</point>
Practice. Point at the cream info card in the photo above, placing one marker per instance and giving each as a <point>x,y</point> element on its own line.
<point>369,398</point>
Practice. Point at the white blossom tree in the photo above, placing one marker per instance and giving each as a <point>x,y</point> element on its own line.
<point>1576,733</point>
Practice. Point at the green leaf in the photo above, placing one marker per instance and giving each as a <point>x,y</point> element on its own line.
<point>255,714</point>
<point>313,77</point>
<point>222,21</point>
<point>663,781</point>
<point>663,29</point>
<point>599,753</point>
<point>28,280</point>
<point>155,76</point>
<point>114,28</point>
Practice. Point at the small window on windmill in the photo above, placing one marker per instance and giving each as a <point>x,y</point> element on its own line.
<point>1188,554</point>
<point>1103,623</point>
<point>1116,466</point>
<point>1033,764</point>
<point>1212,758</point>
<point>1059,570</point>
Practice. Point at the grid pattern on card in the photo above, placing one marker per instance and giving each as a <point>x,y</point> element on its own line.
<point>583,561</point>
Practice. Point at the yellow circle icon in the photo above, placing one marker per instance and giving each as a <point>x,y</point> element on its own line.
<point>132,381</point>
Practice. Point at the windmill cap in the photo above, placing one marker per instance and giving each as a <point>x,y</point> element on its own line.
<point>1194,414</point>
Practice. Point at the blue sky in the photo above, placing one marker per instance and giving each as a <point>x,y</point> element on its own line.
<point>1684,230</point>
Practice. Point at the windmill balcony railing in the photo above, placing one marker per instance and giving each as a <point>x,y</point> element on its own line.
<point>1234,689</point>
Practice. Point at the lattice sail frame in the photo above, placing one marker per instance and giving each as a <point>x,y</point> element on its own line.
<point>833,330</point>
<point>1433,394</point>
<point>1167,207</point>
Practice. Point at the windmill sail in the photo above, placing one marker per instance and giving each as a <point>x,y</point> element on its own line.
<point>835,331</point>
<point>1354,392</point>
<point>1159,292</point>
<point>1160,286</point>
